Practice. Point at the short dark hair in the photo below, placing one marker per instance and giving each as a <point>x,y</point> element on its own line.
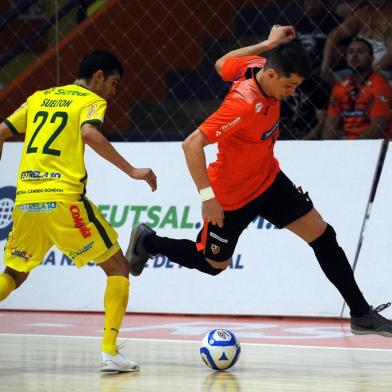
<point>366,42</point>
<point>99,60</point>
<point>291,58</point>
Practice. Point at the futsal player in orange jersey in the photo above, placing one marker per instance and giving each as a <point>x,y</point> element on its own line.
<point>245,181</point>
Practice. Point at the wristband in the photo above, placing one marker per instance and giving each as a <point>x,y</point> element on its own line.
<point>206,193</point>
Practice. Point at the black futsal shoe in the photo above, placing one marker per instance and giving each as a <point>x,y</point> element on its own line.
<point>372,323</point>
<point>136,255</point>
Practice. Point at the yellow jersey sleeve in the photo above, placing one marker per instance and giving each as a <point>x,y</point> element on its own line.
<point>93,113</point>
<point>17,122</point>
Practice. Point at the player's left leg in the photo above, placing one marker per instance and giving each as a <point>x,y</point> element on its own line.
<point>79,231</point>
<point>115,302</point>
<point>287,206</point>
<point>333,261</point>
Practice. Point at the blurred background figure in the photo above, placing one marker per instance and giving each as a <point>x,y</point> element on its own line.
<point>361,103</point>
<point>346,7</point>
<point>303,115</point>
<point>371,21</point>
<point>314,26</point>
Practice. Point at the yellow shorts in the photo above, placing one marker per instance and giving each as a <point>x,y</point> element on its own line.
<point>76,228</point>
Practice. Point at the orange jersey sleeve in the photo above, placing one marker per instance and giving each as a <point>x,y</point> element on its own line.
<point>382,97</point>
<point>229,117</point>
<point>235,67</point>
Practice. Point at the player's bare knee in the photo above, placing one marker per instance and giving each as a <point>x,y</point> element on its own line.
<point>116,265</point>
<point>17,276</point>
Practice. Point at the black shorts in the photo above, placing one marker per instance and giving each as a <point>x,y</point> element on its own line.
<point>281,204</point>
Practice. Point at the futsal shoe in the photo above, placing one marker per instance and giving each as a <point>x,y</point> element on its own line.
<point>372,323</point>
<point>117,363</point>
<point>136,255</point>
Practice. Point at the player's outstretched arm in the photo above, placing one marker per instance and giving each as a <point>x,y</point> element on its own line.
<point>193,147</point>
<point>92,137</point>
<point>5,133</point>
<point>278,35</point>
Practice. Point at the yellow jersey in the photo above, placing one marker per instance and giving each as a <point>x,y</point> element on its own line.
<point>52,164</point>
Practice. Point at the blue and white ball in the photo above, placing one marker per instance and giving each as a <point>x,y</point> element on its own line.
<point>220,349</point>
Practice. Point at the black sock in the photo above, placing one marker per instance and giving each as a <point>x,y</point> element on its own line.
<point>334,263</point>
<point>182,252</point>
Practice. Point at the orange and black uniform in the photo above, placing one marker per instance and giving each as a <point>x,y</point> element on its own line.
<point>247,182</point>
<point>356,105</point>
<point>245,177</point>
<point>245,127</point>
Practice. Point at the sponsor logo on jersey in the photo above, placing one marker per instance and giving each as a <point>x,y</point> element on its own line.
<point>21,253</point>
<point>213,235</point>
<point>269,133</point>
<point>38,207</point>
<point>74,255</point>
<point>92,111</point>
<point>258,107</point>
<point>79,221</point>
<point>36,175</point>
<point>215,249</point>
<point>230,124</point>
<point>354,113</point>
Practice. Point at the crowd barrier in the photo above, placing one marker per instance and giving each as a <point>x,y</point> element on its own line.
<point>272,272</point>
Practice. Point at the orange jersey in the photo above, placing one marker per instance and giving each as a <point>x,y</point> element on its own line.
<point>245,126</point>
<point>356,105</point>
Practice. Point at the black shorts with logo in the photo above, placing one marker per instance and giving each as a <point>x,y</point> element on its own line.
<point>281,204</point>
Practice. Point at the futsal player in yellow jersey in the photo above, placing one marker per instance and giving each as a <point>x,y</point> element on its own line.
<point>51,207</point>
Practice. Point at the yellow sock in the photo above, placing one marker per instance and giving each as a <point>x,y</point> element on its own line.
<point>116,301</point>
<point>7,284</point>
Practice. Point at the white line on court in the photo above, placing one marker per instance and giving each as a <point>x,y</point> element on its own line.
<point>196,341</point>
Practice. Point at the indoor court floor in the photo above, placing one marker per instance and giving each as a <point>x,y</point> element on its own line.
<point>50,351</point>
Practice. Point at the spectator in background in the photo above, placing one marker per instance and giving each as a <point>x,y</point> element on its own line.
<point>303,114</point>
<point>360,104</point>
<point>371,21</point>
<point>346,7</point>
<point>314,26</point>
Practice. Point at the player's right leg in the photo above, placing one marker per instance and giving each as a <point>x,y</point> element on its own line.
<point>211,253</point>
<point>145,244</point>
<point>25,248</point>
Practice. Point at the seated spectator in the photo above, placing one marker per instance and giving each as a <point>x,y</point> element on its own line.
<point>360,104</point>
<point>371,21</point>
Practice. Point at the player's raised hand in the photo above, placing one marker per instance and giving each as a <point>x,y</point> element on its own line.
<point>145,174</point>
<point>281,34</point>
<point>212,212</point>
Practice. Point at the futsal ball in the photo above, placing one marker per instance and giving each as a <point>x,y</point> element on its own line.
<point>220,349</point>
